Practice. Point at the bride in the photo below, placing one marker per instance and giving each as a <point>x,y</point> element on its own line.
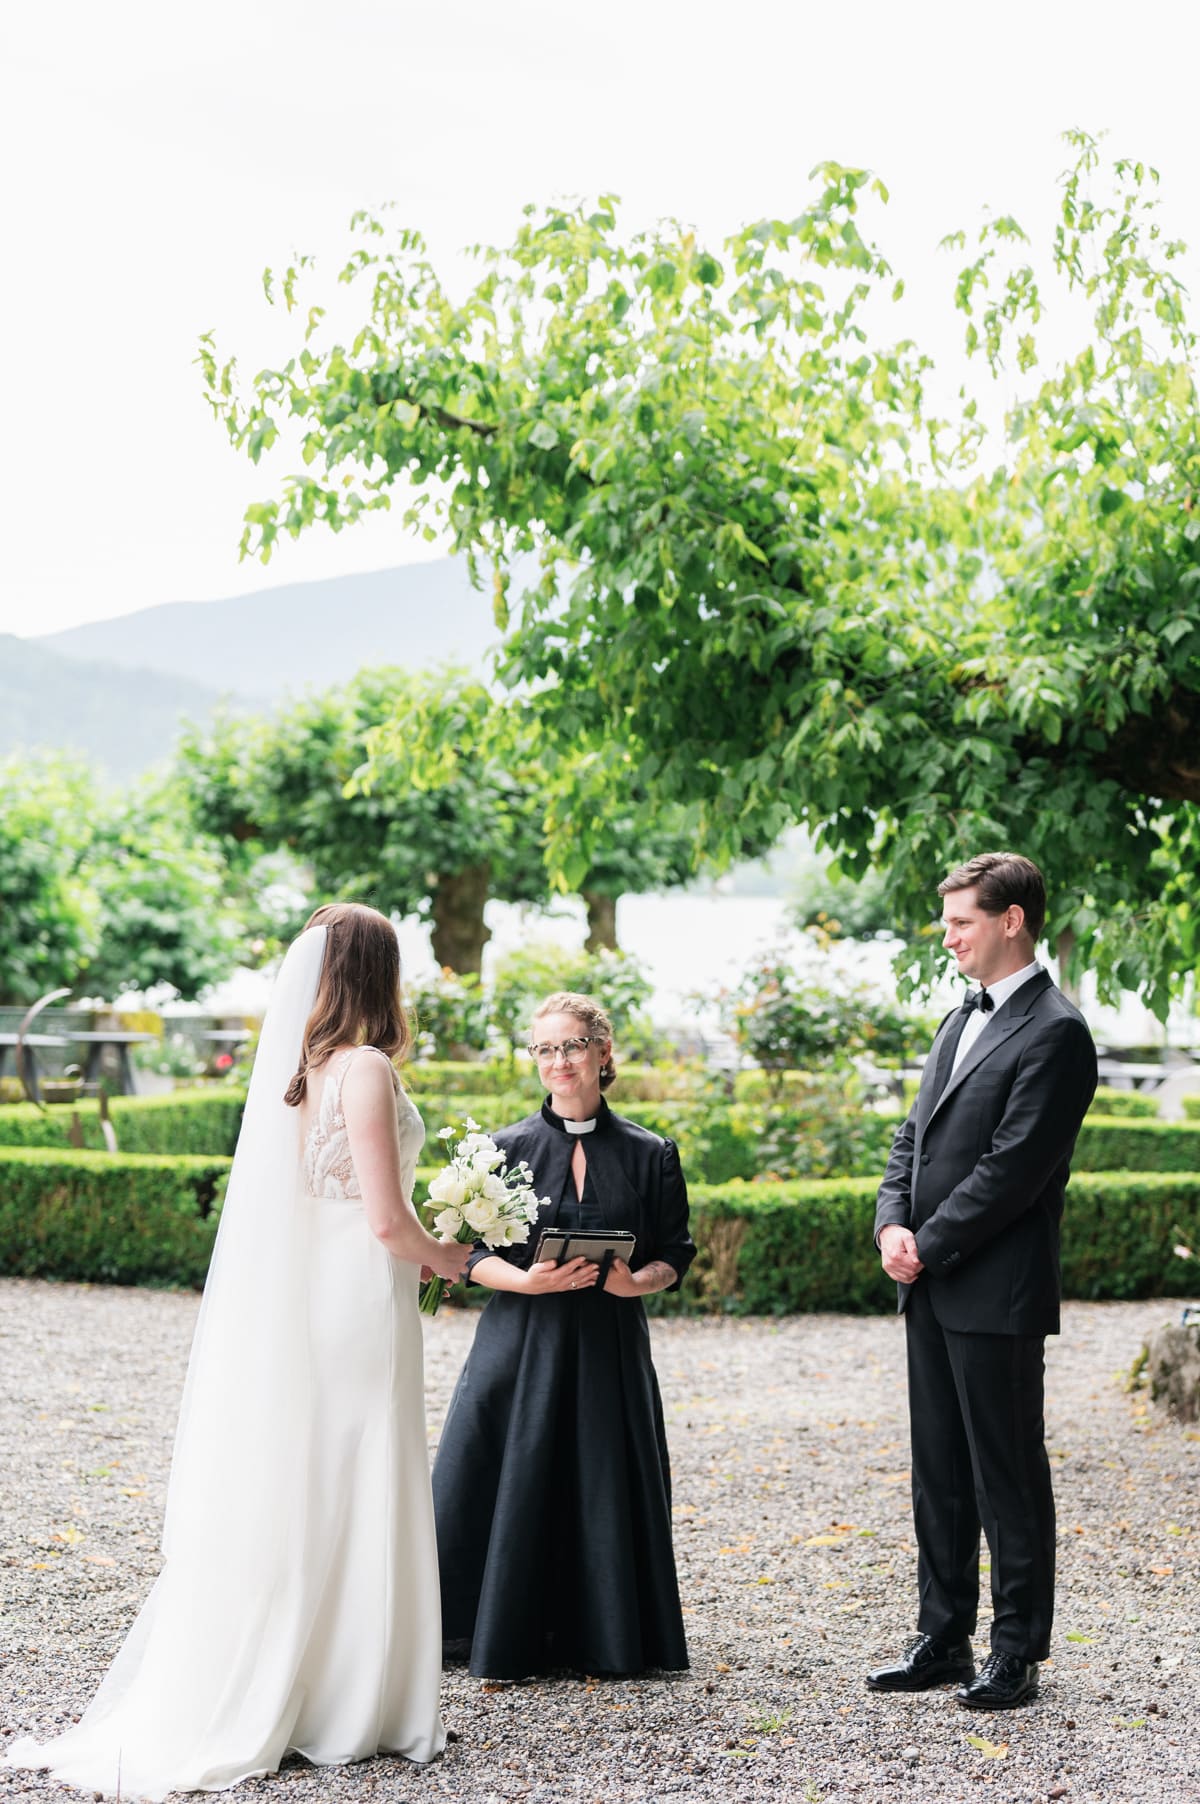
<point>298,1606</point>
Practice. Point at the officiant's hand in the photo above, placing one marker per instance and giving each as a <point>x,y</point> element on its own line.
<point>621,1282</point>
<point>545,1278</point>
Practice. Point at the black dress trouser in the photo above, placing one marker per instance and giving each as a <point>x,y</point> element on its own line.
<point>979,1460</point>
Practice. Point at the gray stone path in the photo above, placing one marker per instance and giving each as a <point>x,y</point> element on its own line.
<point>796,1566</point>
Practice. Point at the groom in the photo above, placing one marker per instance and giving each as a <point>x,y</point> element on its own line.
<point>967,1222</point>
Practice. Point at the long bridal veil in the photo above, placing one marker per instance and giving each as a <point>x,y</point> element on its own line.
<point>204,1690</point>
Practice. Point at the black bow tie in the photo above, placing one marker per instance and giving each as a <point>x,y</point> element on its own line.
<point>978,999</point>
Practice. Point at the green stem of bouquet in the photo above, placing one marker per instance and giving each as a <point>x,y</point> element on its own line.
<point>434,1289</point>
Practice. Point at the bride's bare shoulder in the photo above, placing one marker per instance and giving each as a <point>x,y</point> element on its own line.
<point>370,1077</point>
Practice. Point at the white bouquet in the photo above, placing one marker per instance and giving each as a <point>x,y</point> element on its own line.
<point>479,1197</point>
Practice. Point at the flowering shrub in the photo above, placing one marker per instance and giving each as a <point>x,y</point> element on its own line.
<point>788,1019</point>
<point>613,979</point>
<point>452,1016</point>
<point>174,1055</point>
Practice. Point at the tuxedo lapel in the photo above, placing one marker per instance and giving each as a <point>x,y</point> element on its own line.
<point>944,1042</point>
<point>1012,1018</point>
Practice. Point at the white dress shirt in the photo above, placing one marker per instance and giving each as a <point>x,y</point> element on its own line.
<point>977,1022</point>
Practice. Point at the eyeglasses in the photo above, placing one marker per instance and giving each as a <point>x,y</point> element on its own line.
<point>570,1049</point>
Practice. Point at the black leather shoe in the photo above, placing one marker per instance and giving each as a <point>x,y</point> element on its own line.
<point>927,1662</point>
<point>1005,1680</point>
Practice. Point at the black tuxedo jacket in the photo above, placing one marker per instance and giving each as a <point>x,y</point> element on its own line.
<point>979,1173</point>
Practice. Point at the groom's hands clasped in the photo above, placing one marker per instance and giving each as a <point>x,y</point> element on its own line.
<point>898,1250</point>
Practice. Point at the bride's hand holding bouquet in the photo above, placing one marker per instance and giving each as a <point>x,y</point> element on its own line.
<point>480,1198</point>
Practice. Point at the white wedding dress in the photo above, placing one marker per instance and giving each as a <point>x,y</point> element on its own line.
<point>298,1605</point>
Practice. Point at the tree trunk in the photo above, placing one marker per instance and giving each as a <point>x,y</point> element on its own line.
<point>1064,951</point>
<point>602,921</point>
<point>459,935</point>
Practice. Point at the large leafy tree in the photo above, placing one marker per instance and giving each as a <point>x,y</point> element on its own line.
<point>101,893</point>
<point>771,582</point>
<point>46,913</point>
<point>423,794</point>
<point>449,817</point>
<point>162,908</point>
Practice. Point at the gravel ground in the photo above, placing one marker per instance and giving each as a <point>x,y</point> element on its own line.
<point>796,1567</point>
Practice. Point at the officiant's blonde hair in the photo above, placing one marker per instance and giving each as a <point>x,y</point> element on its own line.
<point>359,1000</point>
<point>570,1002</point>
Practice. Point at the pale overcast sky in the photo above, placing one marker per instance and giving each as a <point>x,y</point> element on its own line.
<point>158,156</point>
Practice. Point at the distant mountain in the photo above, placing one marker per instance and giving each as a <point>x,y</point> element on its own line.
<point>300,635</point>
<point>120,720</point>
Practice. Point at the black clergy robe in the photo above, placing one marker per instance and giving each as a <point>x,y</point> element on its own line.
<point>552,1484</point>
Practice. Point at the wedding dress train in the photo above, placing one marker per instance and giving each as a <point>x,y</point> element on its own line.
<point>298,1604</point>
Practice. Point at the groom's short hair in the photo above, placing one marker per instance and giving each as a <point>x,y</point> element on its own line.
<point>1000,880</point>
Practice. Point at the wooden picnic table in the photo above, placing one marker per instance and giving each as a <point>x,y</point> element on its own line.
<point>122,1040</point>
<point>10,1041</point>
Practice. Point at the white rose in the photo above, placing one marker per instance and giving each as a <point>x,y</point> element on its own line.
<point>448,1188</point>
<point>447,1224</point>
<point>496,1191</point>
<point>480,1216</point>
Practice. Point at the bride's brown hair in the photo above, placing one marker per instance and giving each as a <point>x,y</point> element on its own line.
<point>358,999</point>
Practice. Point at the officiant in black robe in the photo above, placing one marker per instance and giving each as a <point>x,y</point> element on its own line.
<point>552,1483</point>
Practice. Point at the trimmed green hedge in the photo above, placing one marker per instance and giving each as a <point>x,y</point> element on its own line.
<point>717,1143</point>
<point>108,1218</point>
<point>778,1249</point>
<point>1191,1107</point>
<point>765,1249</point>
<point>1132,1145</point>
<point>1125,1103</point>
<point>466,1077</point>
<point>184,1121</point>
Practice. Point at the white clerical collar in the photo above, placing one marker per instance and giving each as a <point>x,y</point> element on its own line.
<point>1008,986</point>
<point>579,1127</point>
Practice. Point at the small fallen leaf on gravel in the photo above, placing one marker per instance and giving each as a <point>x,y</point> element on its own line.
<point>69,1535</point>
<point>823,1541</point>
<point>1162,1571</point>
<point>723,1667</point>
<point>100,1559</point>
<point>991,1750</point>
<point>1074,1635</point>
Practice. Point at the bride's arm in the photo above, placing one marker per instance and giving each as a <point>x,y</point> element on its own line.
<point>369,1105</point>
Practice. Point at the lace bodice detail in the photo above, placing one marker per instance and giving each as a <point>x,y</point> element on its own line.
<point>328,1168</point>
